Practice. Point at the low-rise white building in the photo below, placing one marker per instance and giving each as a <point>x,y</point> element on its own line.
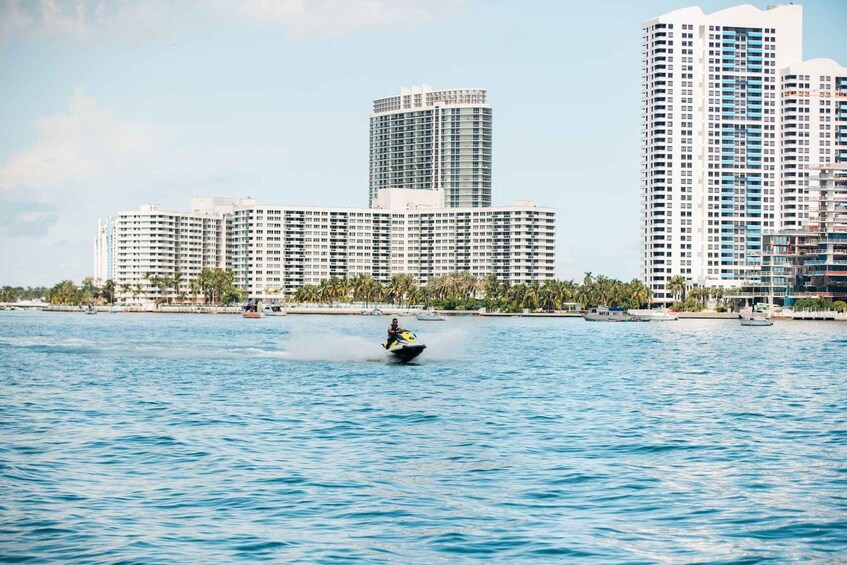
<point>274,250</point>
<point>151,242</point>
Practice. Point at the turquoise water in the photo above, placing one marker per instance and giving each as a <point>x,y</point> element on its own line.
<point>201,438</point>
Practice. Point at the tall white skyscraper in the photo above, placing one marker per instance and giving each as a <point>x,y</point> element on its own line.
<point>711,158</point>
<point>814,133</point>
<point>103,251</point>
<point>429,139</point>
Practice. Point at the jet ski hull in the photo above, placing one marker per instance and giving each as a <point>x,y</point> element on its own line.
<point>407,352</point>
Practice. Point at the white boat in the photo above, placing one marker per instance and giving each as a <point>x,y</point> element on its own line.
<point>374,312</point>
<point>273,310</point>
<point>605,314</point>
<point>754,319</point>
<point>654,315</point>
<point>91,310</point>
<point>430,316</point>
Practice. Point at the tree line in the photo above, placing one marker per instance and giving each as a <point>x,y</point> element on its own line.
<point>215,286</point>
<point>462,290</point>
<point>16,293</point>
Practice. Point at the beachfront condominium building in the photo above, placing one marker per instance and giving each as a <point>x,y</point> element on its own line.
<point>711,159</point>
<point>811,261</point>
<point>274,250</point>
<point>813,133</point>
<point>427,139</point>
<point>150,242</point>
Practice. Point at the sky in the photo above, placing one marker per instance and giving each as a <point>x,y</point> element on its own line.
<point>109,104</point>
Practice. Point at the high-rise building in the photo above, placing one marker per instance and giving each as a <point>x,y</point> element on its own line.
<point>813,133</point>
<point>427,139</point>
<point>711,158</point>
<point>103,251</point>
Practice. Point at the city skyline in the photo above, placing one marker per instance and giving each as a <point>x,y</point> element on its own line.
<point>235,101</point>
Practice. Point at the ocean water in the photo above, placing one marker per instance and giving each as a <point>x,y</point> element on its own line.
<point>203,438</point>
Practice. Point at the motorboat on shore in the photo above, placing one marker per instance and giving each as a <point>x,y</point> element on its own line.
<point>654,315</point>
<point>406,347</point>
<point>273,310</point>
<point>430,316</point>
<point>754,319</point>
<point>605,314</point>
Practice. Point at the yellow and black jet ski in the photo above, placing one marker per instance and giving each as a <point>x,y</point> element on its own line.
<point>406,347</point>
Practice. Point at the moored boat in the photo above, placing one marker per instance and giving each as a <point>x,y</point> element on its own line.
<point>251,309</point>
<point>654,315</point>
<point>273,310</point>
<point>605,314</point>
<point>754,319</point>
<point>430,316</point>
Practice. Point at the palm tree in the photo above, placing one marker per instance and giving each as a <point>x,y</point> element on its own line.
<point>639,292</point>
<point>162,282</point>
<point>176,280</point>
<point>194,286</point>
<point>109,290</point>
<point>531,296</point>
<point>677,286</point>
<point>491,288</point>
<point>126,288</point>
<point>362,286</point>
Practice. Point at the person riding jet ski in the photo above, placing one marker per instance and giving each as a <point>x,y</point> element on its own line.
<point>393,332</point>
<point>402,343</point>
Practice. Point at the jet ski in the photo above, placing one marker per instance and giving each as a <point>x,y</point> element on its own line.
<point>407,346</point>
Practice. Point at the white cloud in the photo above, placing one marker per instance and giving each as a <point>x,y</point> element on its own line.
<point>83,19</point>
<point>303,19</point>
<point>89,162</point>
<point>79,146</point>
<point>128,20</point>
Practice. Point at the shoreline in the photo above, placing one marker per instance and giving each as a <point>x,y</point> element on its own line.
<point>395,311</point>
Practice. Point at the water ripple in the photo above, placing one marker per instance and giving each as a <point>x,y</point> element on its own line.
<point>154,438</point>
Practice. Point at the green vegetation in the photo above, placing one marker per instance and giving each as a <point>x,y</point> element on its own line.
<point>17,293</point>
<point>217,286</point>
<point>695,298</point>
<point>66,292</point>
<point>463,291</point>
<point>818,304</point>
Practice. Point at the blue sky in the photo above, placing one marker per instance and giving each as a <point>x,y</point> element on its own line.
<point>109,104</point>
